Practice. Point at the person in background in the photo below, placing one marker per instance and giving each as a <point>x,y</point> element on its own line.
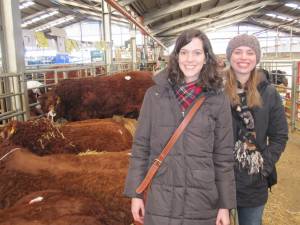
<point>221,65</point>
<point>160,64</point>
<point>264,73</point>
<point>278,78</point>
<point>195,183</point>
<point>259,125</point>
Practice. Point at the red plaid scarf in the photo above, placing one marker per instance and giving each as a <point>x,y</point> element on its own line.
<point>187,93</point>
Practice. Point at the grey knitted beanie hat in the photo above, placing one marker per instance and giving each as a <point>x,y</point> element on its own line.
<point>244,40</point>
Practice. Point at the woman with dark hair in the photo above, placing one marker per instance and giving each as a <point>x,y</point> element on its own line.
<point>259,125</point>
<point>195,183</point>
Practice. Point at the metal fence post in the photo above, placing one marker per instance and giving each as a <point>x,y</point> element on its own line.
<point>294,95</point>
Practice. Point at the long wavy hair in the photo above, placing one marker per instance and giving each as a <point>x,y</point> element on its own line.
<point>253,97</point>
<point>209,76</point>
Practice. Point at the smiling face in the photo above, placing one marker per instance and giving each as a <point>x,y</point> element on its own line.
<point>243,61</point>
<point>191,59</point>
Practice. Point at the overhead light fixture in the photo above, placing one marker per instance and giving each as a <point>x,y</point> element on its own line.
<point>38,18</point>
<point>286,18</point>
<point>26,4</point>
<point>54,23</point>
<point>292,5</point>
<point>271,15</point>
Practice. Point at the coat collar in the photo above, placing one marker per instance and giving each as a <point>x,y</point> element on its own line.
<point>263,85</point>
<point>162,80</point>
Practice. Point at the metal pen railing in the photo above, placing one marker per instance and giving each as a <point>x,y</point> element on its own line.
<point>285,76</point>
<point>46,78</point>
<point>12,98</point>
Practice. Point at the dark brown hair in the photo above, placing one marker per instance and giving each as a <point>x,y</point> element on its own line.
<point>209,77</point>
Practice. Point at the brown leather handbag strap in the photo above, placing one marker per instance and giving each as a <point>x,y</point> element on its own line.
<point>157,162</point>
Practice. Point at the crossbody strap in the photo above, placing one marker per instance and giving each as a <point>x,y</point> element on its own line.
<point>157,162</point>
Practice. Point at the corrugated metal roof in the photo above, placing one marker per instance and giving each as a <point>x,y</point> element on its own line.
<point>167,18</point>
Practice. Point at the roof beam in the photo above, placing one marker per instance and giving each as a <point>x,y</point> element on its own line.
<point>235,14</point>
<point>283,15</point>
<point>286,27</point>
<point>126,2</point>
<point>39,13</point>
<point>222,23</point>
<point>204,13</point>
<point>123,11</point>
<point>76,4</point>
<point>159,13</point>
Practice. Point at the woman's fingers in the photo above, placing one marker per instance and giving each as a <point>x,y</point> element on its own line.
<point>138,209</point>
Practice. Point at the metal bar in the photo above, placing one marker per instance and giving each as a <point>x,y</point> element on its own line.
<point>5,75</point>
<point>294,95</point>
<point>120,9</point>
<point>12,115</point>
<point>8,113</point>
<point>9,95</point>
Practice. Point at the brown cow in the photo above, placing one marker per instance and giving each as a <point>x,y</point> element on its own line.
<point>98,97</point>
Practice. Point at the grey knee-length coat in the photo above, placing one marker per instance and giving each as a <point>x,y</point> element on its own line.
<point>196,178</point>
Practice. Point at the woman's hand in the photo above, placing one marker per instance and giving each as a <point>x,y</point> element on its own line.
<point>138,209</point>
<point>223,217</point>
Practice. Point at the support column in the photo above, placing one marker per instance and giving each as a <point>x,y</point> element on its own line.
<point>146,48</point>
<point>294,97</point>
<point>157,51</point>
<point>133,46</point>
<point>144,59</point>
<point>13,54</point>
<point>106,10</point>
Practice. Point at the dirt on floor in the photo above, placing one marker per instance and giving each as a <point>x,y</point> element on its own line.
<point>283,206</point>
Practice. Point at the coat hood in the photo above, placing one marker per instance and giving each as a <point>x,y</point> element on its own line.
<point>263,82</point>
<point>161,78</point>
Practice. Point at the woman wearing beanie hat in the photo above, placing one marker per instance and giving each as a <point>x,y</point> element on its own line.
<point>259,126</point>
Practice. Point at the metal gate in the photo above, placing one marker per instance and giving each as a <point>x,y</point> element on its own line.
<point>11,98</point>
<point>285,76</point>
